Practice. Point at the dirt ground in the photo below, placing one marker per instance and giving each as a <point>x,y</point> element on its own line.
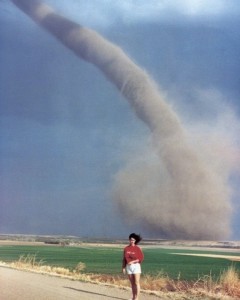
<point>229,257</point>
<point>19,285</point>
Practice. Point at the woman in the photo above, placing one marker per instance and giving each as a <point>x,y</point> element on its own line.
<point>132,258</point>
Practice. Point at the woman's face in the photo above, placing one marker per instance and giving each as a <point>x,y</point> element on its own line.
<point>132,241</point>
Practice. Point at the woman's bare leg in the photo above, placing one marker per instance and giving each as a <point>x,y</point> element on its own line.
<point>136,286</point>
<point>132,281</point>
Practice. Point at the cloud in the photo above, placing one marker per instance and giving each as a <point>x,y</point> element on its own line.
<point>146,181</point>
<point>104,13</point>
<point>62,97</point>
<point>187,198</point>
<point>223,142</point>
<point>204,7</point>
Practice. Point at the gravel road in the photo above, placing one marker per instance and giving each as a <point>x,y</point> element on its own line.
<point>19,285</point>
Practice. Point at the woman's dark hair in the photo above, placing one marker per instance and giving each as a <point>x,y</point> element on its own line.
<point>136,237</point>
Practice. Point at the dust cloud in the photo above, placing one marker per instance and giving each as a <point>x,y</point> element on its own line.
<point>176,193</point>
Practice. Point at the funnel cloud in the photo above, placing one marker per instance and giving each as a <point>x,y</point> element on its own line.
<point>174,194</point>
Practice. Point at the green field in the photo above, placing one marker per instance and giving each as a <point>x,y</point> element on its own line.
<point>106,260</point>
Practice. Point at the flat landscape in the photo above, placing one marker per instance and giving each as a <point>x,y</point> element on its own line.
<point>174,265</point>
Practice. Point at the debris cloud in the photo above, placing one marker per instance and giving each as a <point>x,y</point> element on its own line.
<point>177,195</point>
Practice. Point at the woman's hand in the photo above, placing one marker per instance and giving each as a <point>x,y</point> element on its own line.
<point>133,262</point>
<point>124,271</point>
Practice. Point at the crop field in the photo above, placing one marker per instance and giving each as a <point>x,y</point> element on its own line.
<point>107,260</point>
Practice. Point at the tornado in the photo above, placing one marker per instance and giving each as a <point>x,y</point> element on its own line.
<point>178,195</point>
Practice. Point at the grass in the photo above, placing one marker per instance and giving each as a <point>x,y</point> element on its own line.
<point>163,272</point>
<point>98,260</point>
<point>226,287</point>
<point>107,260</point>
<point>185,267</point>
<point>230,282</point>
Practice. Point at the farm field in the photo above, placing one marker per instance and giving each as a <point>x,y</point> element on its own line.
<point>175,263</point>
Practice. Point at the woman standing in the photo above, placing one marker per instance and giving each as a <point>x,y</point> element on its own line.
<point>132,258</point>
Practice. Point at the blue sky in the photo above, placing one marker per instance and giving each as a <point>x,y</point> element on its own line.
<point>66,131</point>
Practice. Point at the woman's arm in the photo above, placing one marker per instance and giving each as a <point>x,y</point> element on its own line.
<point>140,255</point>
<point>134,261</point>
<point>124,262</point>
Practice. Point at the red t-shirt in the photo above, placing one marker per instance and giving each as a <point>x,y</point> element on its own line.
<point>131,253</point>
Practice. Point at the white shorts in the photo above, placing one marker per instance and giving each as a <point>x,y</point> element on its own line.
<point>133,269</point>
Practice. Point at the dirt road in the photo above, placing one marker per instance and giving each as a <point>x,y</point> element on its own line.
<point>19,285</point>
